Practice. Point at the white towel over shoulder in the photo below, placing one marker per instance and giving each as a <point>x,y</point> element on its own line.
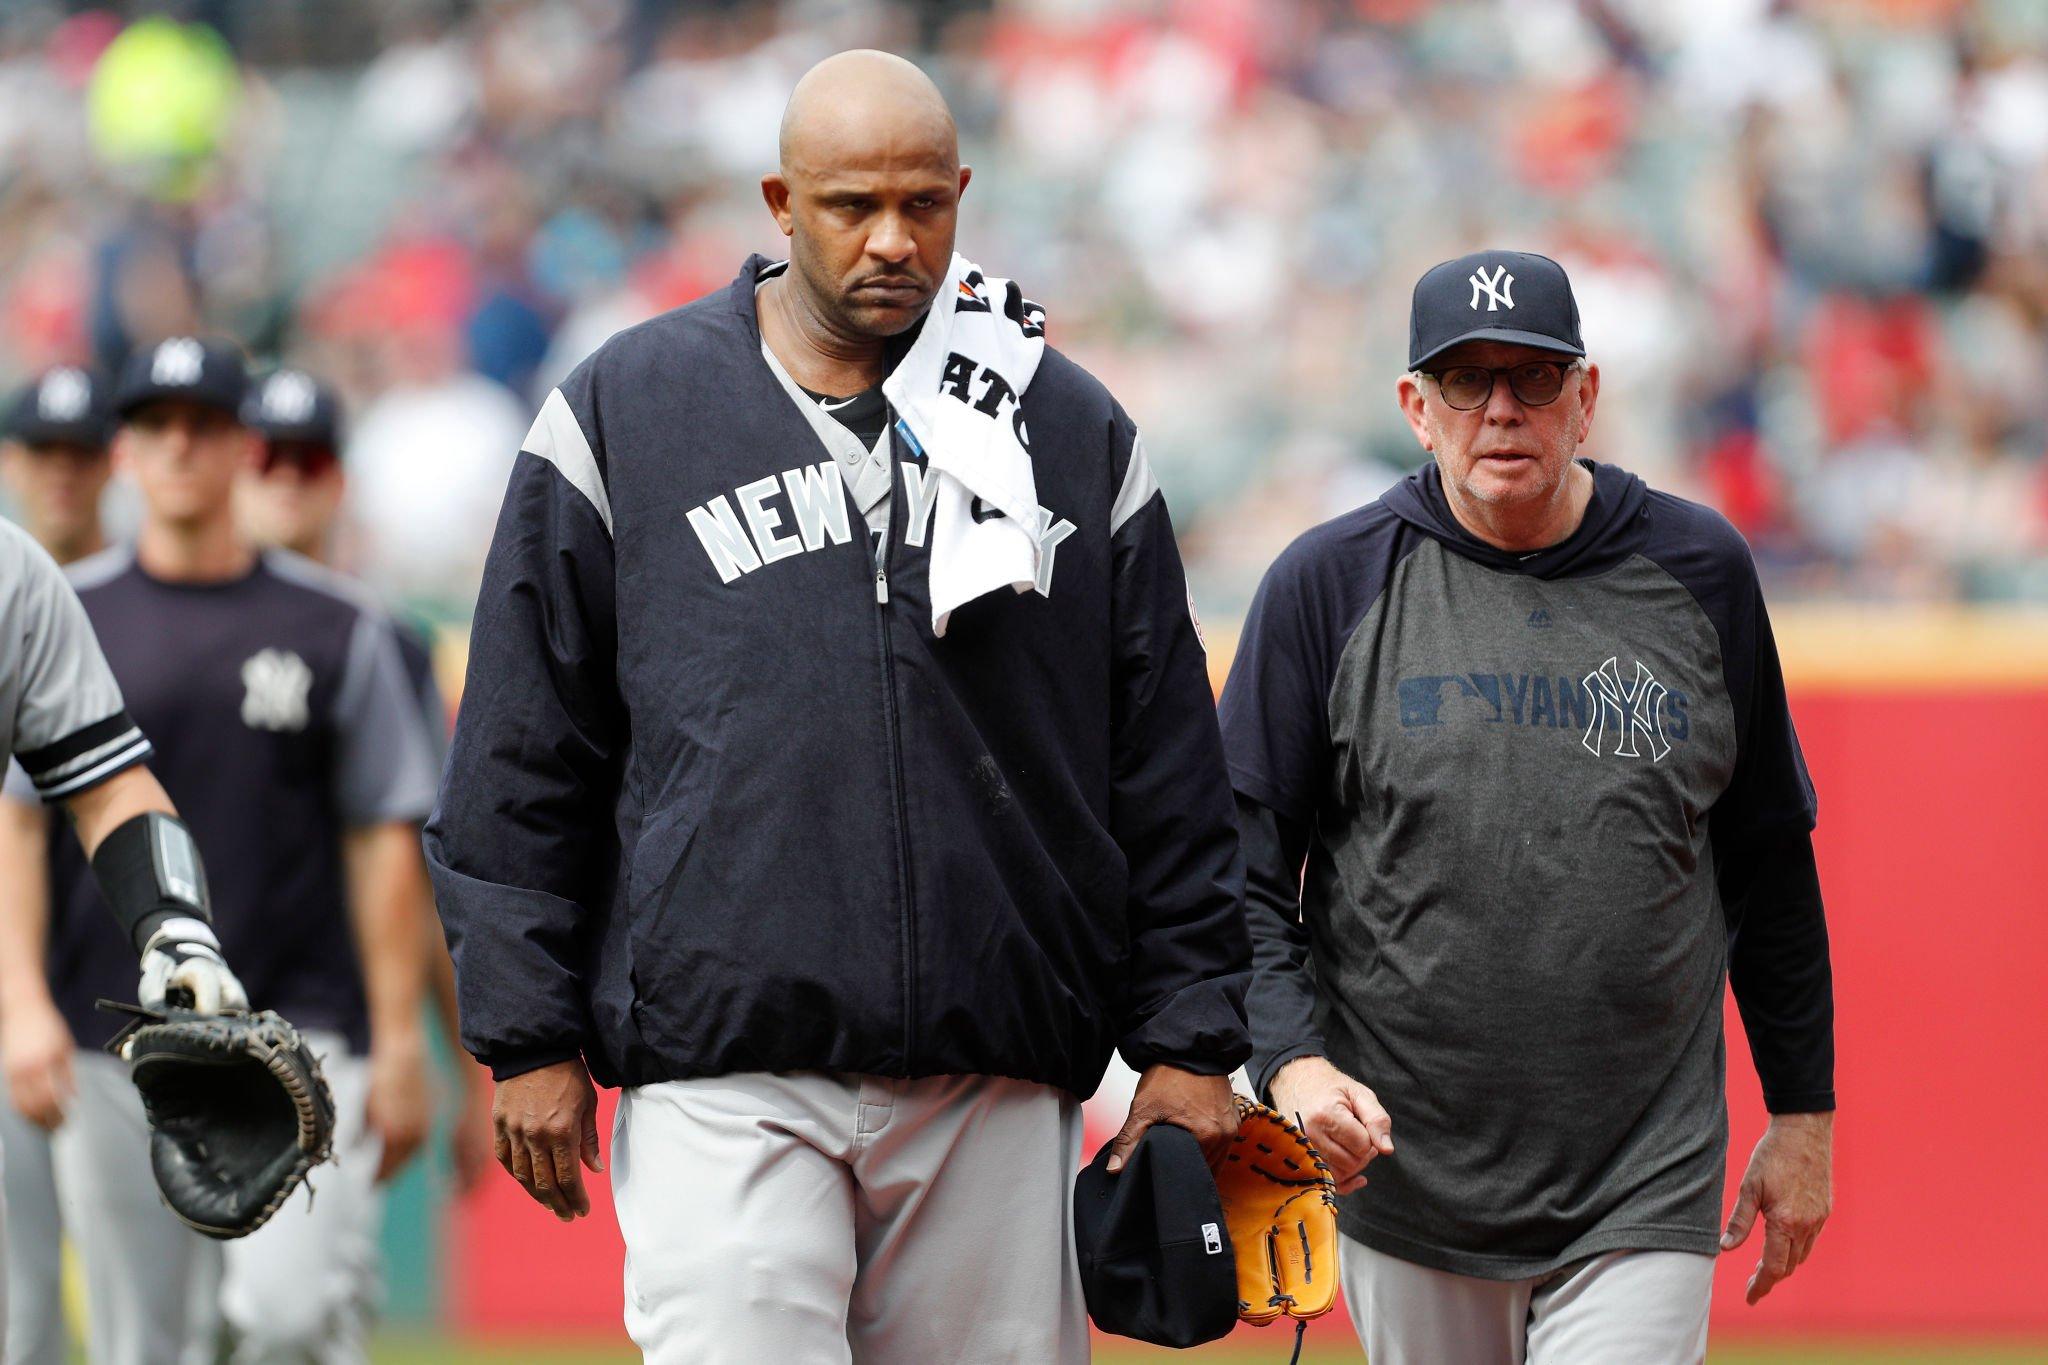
<point>956,391</point>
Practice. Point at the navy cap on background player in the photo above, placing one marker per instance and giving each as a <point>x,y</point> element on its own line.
<point>210,373</point>
<point>289,404</point>
<point>1493,296</point>
<point>64,405</point>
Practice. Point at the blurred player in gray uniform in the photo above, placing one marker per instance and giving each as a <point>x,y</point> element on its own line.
<point>291,733</point>
<point>54,465</point>
<point>61,713</point>
<point>293,502</point>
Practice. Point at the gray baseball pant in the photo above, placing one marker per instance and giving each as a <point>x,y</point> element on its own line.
<point>299,1290</point>
<point>1622,1308</point>
<point>31,1291</point>
<point>827,1217</point>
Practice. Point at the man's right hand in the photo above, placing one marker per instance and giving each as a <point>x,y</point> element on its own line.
<point>546,1121</point>
<point>183,955</point>
<point>1342,1118</point>
<point>38,1049</point>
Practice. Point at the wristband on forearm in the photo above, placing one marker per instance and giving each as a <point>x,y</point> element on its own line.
<point>150,872</point>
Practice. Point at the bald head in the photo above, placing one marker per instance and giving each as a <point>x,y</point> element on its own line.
<point>864,108</point>
<point>868,195</point>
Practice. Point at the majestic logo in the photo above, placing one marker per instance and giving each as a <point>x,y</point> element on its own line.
<point>289,396</point>
<point>64,395</point>
<point>177,362</point>
<point>276,683</point>
<point>1539,619</point>
<point>1633,711</point>
<point>1499,290</point>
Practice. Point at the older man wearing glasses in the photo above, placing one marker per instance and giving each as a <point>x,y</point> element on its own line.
<point>1518,786</point>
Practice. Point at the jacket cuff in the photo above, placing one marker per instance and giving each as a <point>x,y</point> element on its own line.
<point>1201,1028</point>
<point>1800,1101</point>
<point>505,1065</point>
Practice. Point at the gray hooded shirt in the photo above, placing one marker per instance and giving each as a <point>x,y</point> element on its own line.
<point>1544,801</point>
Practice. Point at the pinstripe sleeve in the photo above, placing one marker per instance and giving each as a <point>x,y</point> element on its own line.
<point>64,720</point>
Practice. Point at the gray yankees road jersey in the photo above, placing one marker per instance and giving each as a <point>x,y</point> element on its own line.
<point>60,708</point>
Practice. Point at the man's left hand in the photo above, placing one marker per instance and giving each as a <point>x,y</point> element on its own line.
<point>1790,1182</point>
<point>401,1106</point>
<point>1166,1094</point>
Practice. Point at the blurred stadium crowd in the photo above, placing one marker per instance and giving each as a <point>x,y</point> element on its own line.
<point>1810,236</point>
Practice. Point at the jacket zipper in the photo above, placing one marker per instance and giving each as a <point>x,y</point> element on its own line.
<point>891,722</point>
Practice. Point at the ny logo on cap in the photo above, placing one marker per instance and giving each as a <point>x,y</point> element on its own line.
<point>63,395</point>
<point>177,362</point>
<point>1499,289</point>
<point>288,396</point>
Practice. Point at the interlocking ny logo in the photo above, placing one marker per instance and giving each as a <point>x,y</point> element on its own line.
<point>276,683</point>
<point>1633,710</point>
<point>1499,290</point>
<point>288,396</point>
<point>64,395</point>
<point>177,362</point>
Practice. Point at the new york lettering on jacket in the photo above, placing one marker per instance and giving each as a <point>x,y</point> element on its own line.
<point>718,800</point>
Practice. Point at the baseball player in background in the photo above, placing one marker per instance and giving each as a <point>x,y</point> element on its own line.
<point>55,466</point>
<point>1521,723</point>
<point>288,730</point>
<point>854,897</point>
<point>61,715</point>
<point>54,461</point>
<point>293,500</point>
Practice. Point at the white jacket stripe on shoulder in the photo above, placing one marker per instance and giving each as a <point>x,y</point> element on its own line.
<point>1138,487</point>
<point>558,438</point>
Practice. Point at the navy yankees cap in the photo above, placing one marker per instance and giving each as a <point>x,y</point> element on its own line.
<point>1156,1260</point>
<point>63,405</point>
<point>1493,296</point>
<point>211,373</point>
<point>290,405</point>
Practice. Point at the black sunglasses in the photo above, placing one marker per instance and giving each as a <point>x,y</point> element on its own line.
<point>1536,383</point>
<point>312,458</point>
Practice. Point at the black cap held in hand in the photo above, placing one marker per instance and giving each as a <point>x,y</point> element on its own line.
<point>1155,1254</point>
<point>209,373</point>
<point>1493,296</point>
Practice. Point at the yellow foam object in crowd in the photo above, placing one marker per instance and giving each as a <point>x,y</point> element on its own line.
<point>160,99</point>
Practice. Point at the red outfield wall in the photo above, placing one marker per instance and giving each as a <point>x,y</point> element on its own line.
<point>1934,856</point>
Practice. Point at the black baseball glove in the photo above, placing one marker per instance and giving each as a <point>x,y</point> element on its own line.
<point>238,1112</point>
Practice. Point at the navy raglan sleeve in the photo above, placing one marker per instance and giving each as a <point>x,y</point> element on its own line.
<point>1275,717</point>
<point>1761,831</point>
<point>527,795</point>
<point>1170,801</point>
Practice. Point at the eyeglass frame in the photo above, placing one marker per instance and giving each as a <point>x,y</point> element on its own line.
<point>1493,373</point>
